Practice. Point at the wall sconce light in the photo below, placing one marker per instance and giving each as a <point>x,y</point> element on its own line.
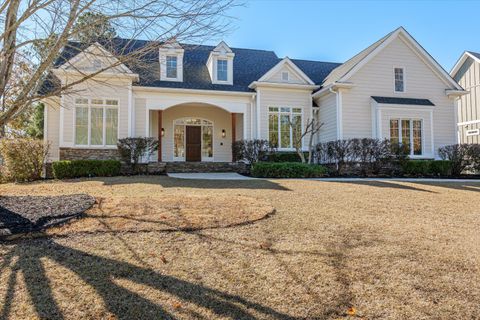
<point>224,133</point>
<point>162,132</point>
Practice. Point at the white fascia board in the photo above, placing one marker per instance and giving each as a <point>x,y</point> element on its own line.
<point>333,86</point>
<point>193,91</point>
<point>102,75</point>
<point>455,93</point>
<point>84,53</point>
<point>259,84</point>
<point>461,61</point>
<point>292,65</point>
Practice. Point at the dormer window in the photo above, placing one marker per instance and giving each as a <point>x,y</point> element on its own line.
<point>399,79</point>
<point>222,70</point>
<point>171,67</point>
<point>220,64</point>
<point>285,76</point>
<point>171,61</point>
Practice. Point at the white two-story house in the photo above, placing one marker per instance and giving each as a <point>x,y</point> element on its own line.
<point>197,99</point>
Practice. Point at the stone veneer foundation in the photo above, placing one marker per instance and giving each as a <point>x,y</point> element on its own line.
<point>88,154</point>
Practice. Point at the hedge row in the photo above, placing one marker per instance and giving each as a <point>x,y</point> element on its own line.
<point>441,168</point>
<point>283,157</point>
<point>85,168</point>
<point>287,170</point>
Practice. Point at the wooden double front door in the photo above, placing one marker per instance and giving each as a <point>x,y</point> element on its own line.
<point>193,143</point>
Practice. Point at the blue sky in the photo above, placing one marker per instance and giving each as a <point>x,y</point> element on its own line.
<point>336,30</point>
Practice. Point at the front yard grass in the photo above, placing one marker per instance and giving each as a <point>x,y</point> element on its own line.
<point>391,250</point>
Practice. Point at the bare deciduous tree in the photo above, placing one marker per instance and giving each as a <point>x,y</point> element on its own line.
<point>38,31</point>
<point>310,129</point>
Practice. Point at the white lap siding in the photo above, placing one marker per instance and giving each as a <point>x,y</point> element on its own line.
<point>117,90</point>
<point>52,126</point>
<point>376,79</point>
<point>283,98</point>
<point>328,116</point>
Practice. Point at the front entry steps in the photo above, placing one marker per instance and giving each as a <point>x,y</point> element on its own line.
<point>204,167</point>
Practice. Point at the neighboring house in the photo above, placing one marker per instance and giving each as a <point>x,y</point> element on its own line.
<point>467,73</point>
<point>198,99</point>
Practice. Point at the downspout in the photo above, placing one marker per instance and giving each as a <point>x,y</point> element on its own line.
<point>338,95</point>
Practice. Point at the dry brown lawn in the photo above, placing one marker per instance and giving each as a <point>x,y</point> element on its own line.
<point>391,250</point>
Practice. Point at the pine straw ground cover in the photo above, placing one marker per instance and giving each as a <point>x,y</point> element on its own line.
<point>372,250</point>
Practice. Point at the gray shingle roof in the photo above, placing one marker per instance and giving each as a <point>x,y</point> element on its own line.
<point>248,65</point>
<point>475,54</point>
<point>397,100</point>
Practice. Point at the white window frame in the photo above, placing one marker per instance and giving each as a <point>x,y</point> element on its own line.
<point>176,66</point>
<point>404,80</point>
<point>226,65</point>
<point>285,76</point>
<point>104,106</point>
<point>181,122</point>
<point>279,113</point>
<point>422,122</point>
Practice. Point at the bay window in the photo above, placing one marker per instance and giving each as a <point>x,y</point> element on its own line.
<point>407,132</point>
<point>96,122</point>
<point>284,127</point>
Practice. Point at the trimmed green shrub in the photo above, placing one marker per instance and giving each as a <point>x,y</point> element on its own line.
<point>284,157</point>
<point>287,170</point>
<point>85,168</point>
<point>441,168</point>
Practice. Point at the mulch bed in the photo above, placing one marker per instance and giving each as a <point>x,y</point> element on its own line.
<point>20,214</point>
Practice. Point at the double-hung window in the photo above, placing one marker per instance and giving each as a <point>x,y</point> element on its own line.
<point>284,127</point>
<point>171,66</point>
<point>96,122</point>
<point>222,70</point>
<point>399,79</point>
<point>407,132</point>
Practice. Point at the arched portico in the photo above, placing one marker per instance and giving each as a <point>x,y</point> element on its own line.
<point>195,132</point>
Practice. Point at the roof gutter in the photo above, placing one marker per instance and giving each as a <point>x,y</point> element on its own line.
<point>455,93</point>
<point>193,91</point>
<point>332,88</point>
<point>256,84</point>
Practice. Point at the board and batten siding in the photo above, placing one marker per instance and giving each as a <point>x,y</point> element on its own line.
<point>273,97</point>
<point>468,76</point>
<point>328,116</point>
<point>115,89</point>
<point>376,78</point>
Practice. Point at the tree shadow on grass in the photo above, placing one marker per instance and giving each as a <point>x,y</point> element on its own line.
<point>384,184</point>
<point>101,273</point>
<point>167,182</point>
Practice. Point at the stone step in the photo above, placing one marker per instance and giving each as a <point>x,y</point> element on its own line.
<point>194,167</point>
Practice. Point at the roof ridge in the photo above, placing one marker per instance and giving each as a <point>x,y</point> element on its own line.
<point>309,60</point>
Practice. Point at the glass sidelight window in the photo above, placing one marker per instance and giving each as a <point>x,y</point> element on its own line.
<point>179,138</point>
<point>409,133</point>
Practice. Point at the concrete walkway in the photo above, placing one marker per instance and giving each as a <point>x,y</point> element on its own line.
<point>210,176</point>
